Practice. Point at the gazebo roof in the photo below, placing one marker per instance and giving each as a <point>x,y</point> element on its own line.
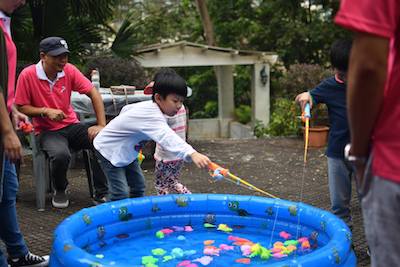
<point>183,53</point>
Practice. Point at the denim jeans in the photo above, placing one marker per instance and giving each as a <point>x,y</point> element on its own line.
<point>10,233</point>
<point>123,182</point>
<point>339,176</point>
<point>380,207</point>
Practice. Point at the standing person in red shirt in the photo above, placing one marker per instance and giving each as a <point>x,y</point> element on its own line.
<point>44,93</point>
<point>374,116</point>
<point>10,149</point>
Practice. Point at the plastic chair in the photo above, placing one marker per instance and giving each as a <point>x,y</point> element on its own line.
<point>41,172</point>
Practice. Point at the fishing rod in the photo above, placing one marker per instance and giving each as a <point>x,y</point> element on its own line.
<point>217,172</point>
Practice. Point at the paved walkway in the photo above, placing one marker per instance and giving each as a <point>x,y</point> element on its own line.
<point>271,164</point>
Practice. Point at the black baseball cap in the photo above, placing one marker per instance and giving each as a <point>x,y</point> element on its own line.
<point>54,46</point>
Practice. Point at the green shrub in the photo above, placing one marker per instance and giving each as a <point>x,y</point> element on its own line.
<point>299,78</point>
<point>210,111</point>
<point>243,114</point>
<point>284,120</point>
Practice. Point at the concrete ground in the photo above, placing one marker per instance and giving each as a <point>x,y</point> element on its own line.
<point>274,165</point>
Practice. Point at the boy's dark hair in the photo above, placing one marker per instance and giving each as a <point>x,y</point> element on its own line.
<point>340,54</point>
<point>167,81</point>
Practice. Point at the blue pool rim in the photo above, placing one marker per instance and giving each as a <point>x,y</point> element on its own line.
<point>336,252</point>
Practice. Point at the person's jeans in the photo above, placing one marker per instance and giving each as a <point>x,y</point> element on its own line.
<point>380,208</point>
<point>123,182</point>
<point>57,146</point>
<point>10,233</point>
<point>339,176</point>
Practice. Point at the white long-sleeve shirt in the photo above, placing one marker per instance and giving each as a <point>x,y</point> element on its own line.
<point>120,141</point>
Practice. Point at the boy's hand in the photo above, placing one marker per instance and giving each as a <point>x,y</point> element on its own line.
<point>303,99</point>
<point>200,160</point>
<point>12,146</point>
<point>93,131</point>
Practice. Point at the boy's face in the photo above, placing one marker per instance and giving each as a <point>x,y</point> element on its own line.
<point>169,105</point>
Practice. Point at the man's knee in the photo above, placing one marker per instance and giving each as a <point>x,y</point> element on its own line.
<point>62,157</point>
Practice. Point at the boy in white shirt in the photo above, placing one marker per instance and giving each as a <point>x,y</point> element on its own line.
<point>119,143</point>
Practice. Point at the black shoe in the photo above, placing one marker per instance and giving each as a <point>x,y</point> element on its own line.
<point>60,199</point>
<point>29,260</point>
<point>99,200</point>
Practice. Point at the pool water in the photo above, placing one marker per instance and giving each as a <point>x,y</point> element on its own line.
<point>129,248</point>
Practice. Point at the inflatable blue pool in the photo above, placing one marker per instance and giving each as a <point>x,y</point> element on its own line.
<point>202,229</point>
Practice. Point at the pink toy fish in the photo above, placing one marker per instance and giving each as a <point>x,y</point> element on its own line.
<point>279,255</point>
<point>205,260</point>
<point>285,235</point>
<point>178,228</point>
<point>243,260</point>
<point>188,228</point>
<point>166,231</point>
<point>246,250</point>
<point>225,247</point>
<point>183,263</point>
<point>211,250</point>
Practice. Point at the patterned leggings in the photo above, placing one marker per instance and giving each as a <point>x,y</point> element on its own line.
<point>167,178</point>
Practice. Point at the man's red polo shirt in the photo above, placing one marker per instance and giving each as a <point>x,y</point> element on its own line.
<point>35,89</point>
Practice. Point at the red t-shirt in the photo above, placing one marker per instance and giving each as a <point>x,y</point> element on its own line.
<point>34,88</point>
<point>381,18</point>
<point>12,65</point>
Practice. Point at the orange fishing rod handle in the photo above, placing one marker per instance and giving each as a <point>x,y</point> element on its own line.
<point>213,166</point>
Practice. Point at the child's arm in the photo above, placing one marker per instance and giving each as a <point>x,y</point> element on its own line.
<point>200,160</point>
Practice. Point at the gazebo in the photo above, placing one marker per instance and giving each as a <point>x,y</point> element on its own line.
<point>185,54</point>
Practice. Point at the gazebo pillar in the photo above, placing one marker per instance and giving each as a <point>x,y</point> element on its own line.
<point>260,93</point>
<point>226,103</point>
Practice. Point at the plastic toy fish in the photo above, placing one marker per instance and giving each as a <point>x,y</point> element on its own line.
<point>211,250</point>
<point>279,255</point>
<point>208,242</point>
<point>243,260</point>
<point>184,263</point>
<point>160,234</point>
<point>209,225</point>
<point>205,260</point>
<point>245,249</point>
<point>188,228</point>
<point>26,127</point>
<point>224,228</point>
<point>140,157</point>
<point>177,253</point>
<point>158,251</point>
<point>146,260</point>
<point>285,235</point>
<point>178,228</point>
<point>226,247</point>
<point>166,231</point>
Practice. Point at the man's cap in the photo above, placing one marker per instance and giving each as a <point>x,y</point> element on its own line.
<point>148,90</point>
<point>53,46</point>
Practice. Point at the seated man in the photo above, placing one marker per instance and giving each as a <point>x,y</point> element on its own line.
<point>44,93</point>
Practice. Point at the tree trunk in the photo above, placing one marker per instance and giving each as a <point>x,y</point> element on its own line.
<point>206,21</point>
